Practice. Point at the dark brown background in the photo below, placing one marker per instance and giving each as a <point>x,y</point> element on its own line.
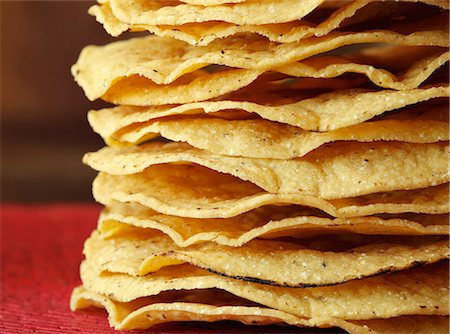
<point>44,131</point>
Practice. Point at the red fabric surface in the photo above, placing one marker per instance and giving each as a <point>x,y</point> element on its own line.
<point>41,252</point>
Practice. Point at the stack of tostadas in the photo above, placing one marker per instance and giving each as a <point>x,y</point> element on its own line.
<point>303,179</point>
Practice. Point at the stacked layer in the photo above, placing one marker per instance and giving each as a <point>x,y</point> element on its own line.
<point>304,184</point>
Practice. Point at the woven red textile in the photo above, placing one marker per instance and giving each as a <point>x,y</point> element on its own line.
<point>41,251</point>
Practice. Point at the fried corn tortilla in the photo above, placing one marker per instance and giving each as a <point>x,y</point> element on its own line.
<point>203,33</point>
<point>140,252</point>
<point>324,173</point>
<point>139,70</point>
<point>203,30</point>
<point>141,58</point>
<point>421,291</point>
<point>324,112</point>
<point>256,138</point>
<point>265,222</point>
<point>211,305</point>
<point>248,12</point>
<point>211,2</point>
<point>333,66</point>
<point>198,192</point>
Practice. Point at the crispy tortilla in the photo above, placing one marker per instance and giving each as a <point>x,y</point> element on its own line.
<point>334,171</point>
<point>140,252</point>
<point>266,222</point>
<point>420,291</point>
<point>203,30</point>
<point>138,71</point>
<point>198,192</point>
<point>256,138</point>
<point>323,112</point>
<point>248,12</point>
<point>210,306</point>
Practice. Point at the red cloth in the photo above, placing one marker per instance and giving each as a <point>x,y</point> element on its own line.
<point>41,252</point>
